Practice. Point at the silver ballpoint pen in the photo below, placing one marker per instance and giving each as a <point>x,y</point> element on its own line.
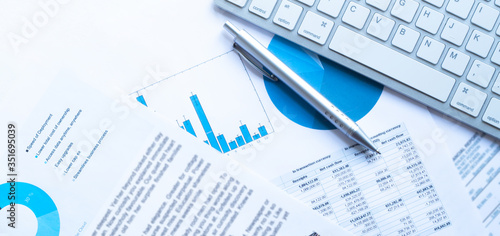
<point>258,55</point>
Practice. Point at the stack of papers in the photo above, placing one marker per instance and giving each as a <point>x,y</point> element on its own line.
<point>89,166</point>
<point>140,119</point>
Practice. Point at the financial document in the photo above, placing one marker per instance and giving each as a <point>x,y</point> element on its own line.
<point>476,159</point>
<point>368,194</point>
<point>478,163</point>
<point>90,165</point>
<point>412,188</point>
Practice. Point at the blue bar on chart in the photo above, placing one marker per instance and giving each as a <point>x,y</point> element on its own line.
<point>141,100</point>
<point>223,143</point>
<point>255,137</point>
<point>204,122</point>
<point>189,127</point>
<point>240,140</point>
<point>182,127</point>
<point>262,131</point>
<point>206,141</point>
<point>233,145</point>
<point>246,133</point>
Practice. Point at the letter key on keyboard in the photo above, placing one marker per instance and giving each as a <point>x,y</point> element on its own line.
<point>485,17</point>
<point>356,15</point>
<point>454,32</point>
<point>460,8</point>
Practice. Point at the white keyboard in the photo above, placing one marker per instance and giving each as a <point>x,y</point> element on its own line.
<point>443,53</point>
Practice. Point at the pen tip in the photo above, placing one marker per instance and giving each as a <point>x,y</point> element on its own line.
<point>378,152</point>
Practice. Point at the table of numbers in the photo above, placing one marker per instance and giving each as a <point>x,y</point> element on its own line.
<point>369,194</point>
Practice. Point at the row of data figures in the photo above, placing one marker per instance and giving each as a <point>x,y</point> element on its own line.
<point>215,101</point>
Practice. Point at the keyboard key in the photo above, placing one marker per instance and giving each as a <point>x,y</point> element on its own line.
<point>429,20</point>
<point>495,58</point>
<point>287,15</point>
<point>307,2</point>
<point>405,9</point>
<point>405,38</point>
<point>479,43</point>
<point>239,3</point>
<point>480,73</point>
<point>454,32</point>
<point>496,85</point>
<point>379,4</point>
<point>460,8</point>
<point>262,8</point>
<point>497,2</point>
<point>484,17</point>
<point>492,113</point>
<point>498,31</point>
<point>436,3</point>
<point>356,15</point>
<point>430,50</point>
<point>468,99</point>
<point>380,27</point>
<point>331,7</point>
<point>455,62</point>
<point>392,63</point>
<point>315,27</point>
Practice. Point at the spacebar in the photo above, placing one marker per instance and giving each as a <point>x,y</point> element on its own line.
<point>392,63</point>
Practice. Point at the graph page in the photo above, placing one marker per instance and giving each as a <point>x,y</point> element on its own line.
<point>214,101</point>
<point>201,84</point>
<point>88,165</point>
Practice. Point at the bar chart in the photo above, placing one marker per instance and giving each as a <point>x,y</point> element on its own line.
<point>199,100</point>
<point>219,141</point>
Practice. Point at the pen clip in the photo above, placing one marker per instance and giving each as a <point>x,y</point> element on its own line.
<point>253,62</point>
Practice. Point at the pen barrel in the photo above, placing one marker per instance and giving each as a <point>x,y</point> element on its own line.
<point>296,83</point>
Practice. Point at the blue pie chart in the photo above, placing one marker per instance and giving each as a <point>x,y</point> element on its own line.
<point>351,92</point>
<point>38,201</point>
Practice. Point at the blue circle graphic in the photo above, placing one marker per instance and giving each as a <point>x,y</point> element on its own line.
<point>38,201</point>
<point>351,92</point>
